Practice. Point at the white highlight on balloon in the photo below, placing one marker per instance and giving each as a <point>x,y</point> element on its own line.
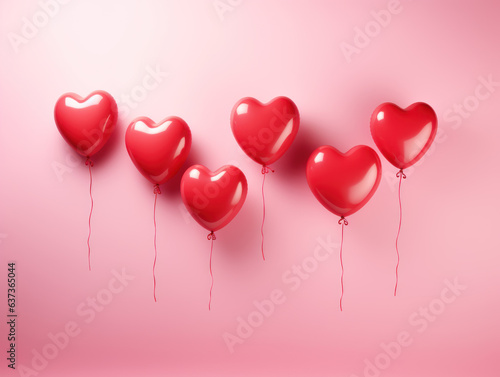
<point>242,109</point>
<point>180,147</point>
<point>94,100</point>
<point>414,146</point>
<point>284,135</point>
<point>237,194</point>
<point>195,174</point>
<point>361,190</point>
<point>218,176</point>
<point>143,127</point>
<point>319,157</point>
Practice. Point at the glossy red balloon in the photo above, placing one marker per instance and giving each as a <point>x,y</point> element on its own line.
<point>213,198</point>
<point>343,183</point>
<point>265,131</point>
<point>403,135</point>
<point>158,150</point>
<point>86,123</point>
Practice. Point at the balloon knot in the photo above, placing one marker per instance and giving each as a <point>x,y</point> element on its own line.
<point>88,162</point>
<point>156,189</point>
<point>266,169</point>
<point>211,236</point>
<point>400,173</point>
<point>343,220</point>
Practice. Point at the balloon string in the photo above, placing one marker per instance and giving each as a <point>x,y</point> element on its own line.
<point>211,237</point>
<point>342,222</point>
<point>90,164</point>
<point>401,175</point>
<point>156,191</point>
<point>265,170</point>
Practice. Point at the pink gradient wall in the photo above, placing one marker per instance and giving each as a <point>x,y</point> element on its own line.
<point>443,53</point>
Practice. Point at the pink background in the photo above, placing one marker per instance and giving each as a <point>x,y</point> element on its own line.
<point>430,51</point>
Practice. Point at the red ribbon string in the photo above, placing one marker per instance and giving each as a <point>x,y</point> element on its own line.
<point>265,170</point>
<point>90,164</point>
<point>156,191</point>
<point>342,222</point>
<point>401,175</point>
<point>211,237</point>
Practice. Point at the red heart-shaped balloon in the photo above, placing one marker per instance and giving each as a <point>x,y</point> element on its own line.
<point>86,123</point>
<point>265,131</point>
<point>213,199</point>
<point>403,135</point>
<point>343,183</point>
<point>158,150</point>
